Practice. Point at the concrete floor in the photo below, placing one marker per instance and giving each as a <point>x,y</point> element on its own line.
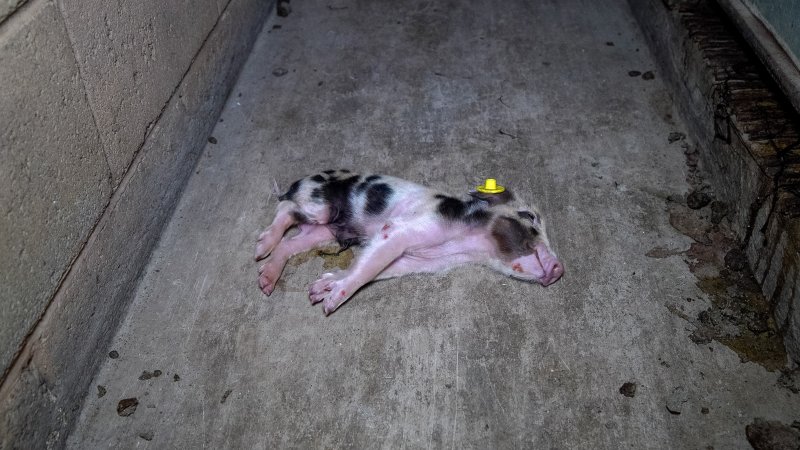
<point>462,359</point>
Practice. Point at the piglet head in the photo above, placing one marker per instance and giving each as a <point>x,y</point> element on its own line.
<point>523,250</point>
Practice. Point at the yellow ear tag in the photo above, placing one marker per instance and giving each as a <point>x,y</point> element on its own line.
<point>490,186</point>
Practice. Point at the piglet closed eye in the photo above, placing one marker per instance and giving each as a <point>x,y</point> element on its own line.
<point>404,228</point>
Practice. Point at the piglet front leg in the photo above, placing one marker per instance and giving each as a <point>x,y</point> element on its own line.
<point>333,289</point>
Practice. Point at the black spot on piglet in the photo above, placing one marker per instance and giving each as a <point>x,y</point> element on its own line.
<point>513,239</point>
<point>377,198</point>
<point>473,212</point>
<point>289,195</point>
<point>477,217</point>
<point>337,194</point>
<point>450,208</point>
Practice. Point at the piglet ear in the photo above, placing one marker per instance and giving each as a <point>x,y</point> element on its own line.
<point>493,199</point>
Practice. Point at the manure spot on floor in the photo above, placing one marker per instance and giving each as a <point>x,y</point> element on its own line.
<point>225,395</point>
<point>147,435</point>
<point>628,389</point>
<point>790,379</point>
<point>676,136</point>
<point>676,399</point>
<point>148,375</point>
<point>697,199</point>
<point>127,406</point>
<point>769,434</point>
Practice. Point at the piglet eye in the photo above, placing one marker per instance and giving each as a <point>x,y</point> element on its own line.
<point>530,216</point>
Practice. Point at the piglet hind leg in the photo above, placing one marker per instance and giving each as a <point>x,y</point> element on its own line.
<point>284,219</point>
<point>309,237</point>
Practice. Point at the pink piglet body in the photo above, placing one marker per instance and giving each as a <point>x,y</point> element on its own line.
<point>404,228</point>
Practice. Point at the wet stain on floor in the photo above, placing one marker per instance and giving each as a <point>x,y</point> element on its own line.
<point>332,256</point>
<point>739,317</point>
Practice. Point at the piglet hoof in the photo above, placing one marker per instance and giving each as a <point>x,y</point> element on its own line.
<point>329,286</point>
<point>268,276</point>
<point>320,288</point>
<point>266,285</point>
<point>332,303</point>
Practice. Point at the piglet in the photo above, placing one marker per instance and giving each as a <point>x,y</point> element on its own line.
<point>404,228</point>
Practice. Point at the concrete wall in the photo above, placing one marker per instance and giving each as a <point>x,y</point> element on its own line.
<point>105,108</point>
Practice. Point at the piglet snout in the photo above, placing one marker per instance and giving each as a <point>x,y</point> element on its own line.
<point>551,266</point>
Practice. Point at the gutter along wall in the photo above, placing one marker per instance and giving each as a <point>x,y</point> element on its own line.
<point>783,17</point>
<point>772,29</point>
<point>748,134</point>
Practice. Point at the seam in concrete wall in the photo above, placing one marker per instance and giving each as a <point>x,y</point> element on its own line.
<point>88,101</point>
<point>149,127</point>
<point>10,9</point>
<point>133,55</point>
<point>7,25</point>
